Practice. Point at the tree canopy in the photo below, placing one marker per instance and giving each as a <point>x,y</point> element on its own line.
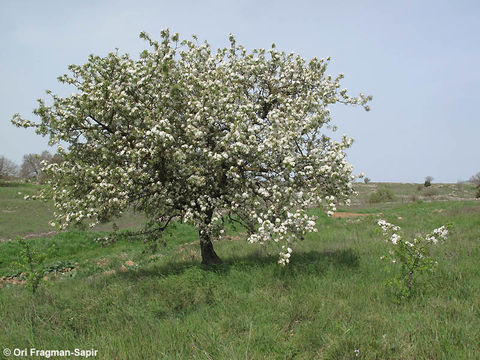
<point>32,165</point>
<point>185,132</point>
<point>8,168</point>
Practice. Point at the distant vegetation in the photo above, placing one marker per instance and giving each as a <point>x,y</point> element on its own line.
<point>428,181</point>
<point>8,169</point>
<point>475,180</point>
<point>30,169</point>
<point>382,194</point>
<point>374,193</point>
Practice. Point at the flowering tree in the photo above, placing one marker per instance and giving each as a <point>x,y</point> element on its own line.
<point>413,256</point>
<point>187,133</point>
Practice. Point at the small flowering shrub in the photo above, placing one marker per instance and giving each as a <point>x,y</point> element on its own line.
<point>187,132</point>
<point>412,255</point>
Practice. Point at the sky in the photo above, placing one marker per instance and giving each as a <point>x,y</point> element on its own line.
<point>418,59</point>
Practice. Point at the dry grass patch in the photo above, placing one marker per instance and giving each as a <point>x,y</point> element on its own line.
<point>343,215</point>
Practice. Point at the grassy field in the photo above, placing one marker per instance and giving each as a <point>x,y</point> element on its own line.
<point>408,192</point>
<point>18,216</point>
<point>330,301</point>
<point>28,217</point>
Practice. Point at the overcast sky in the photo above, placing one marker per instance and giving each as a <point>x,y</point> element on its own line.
<point>419,59</point>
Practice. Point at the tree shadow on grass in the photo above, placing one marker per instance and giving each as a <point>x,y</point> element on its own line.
<point>195,289</point>
<point>316,263</point>
<point>302,263</point>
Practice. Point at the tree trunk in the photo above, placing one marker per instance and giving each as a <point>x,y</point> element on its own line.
<point>209,257</point>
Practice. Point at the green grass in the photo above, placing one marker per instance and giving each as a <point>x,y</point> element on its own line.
<point>328,302</point>
<point>31,217</point>
<point>19,216</point>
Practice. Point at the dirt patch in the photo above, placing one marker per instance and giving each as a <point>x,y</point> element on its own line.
<point>190,255</point>
<point>14,280</point>
<point>102,262</point>
<point>20,279</point>
<point>180,248</point>
<point>31,235</point>
<point>343,215</point>
<point>40,235</point>
<point>239,237</point>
